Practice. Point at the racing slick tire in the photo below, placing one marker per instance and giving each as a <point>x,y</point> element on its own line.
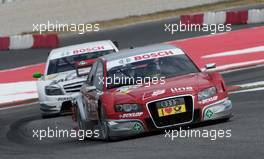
<point>225,119</point>
<point>104,129</point>
<point>46,116</point>
<point>81,124</point>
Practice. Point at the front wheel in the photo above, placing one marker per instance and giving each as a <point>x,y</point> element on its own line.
<point>81,123</point>
<point>103,125</point>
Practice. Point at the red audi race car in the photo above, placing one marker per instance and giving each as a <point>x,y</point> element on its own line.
<point>147,89</point>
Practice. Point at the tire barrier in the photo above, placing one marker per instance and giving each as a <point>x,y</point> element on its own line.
<point>29,41</point>
<point>222,17</point>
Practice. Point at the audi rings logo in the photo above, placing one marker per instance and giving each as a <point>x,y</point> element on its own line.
<point>169,103</point>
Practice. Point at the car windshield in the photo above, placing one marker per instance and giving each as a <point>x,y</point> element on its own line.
<point>68,63</point>
<point>163,67</point>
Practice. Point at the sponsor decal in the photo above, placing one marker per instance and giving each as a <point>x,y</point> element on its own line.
<point>71,76</point>
<point>126,89</point>
<point>181,89</point>
<point>169,103</point>
<point>66,53</point>
<point>50,77</point>
<point>92,49</point>
<point>154,55</point>
<point>137,127</point>
<point>65,99</point>
<point>131,115</point>
<point>57,81</point>
<point>158,92</point>
<point>211,99</point>
<point>142,57</point>
<point>153,94</point>
<point>209,113</point>
<point>82,63</point>
<point>171,110</point>
<point>124,61</point>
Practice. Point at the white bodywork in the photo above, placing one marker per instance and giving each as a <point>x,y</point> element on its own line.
<point>68,81</point>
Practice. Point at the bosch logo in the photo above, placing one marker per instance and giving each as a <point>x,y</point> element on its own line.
<point>97,48</point>
<point>154,55</point>
<point>169,103</point>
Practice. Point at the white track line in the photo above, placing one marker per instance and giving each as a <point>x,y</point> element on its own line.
<point>248,90</point>
<point>248,87</point>
<point>253,84</point>
<point>241,69</point>
<point>236,65</point>
<point>236,52</point>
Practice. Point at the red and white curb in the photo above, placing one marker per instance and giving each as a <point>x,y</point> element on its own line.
<point>29,41</point>
<point>17,92</point>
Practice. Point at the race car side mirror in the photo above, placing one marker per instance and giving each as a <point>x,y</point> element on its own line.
<point>210,66</point>
<point>116,44</point>
<point>37,75</point>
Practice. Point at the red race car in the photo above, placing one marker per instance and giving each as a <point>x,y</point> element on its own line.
<point>146,89</point>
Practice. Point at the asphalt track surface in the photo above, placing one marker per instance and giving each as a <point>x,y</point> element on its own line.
<point>247,140</point>
<point>17,125</point>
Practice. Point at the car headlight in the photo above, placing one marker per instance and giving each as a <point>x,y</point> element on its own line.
<point>206,93</point>
<point>127,108</point>
<point>53,90</point>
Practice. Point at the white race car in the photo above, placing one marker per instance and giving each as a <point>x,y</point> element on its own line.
<point>66,70</point>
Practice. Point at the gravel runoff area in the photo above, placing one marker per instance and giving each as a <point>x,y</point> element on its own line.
<point>19,16</point>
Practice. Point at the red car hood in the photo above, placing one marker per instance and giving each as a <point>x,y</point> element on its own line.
<point>186,84</point>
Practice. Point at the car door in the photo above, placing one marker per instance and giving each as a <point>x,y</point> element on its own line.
<point>93,91</point>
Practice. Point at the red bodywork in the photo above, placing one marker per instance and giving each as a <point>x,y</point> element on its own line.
<point>143,95</point>
<point>189,84</point>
